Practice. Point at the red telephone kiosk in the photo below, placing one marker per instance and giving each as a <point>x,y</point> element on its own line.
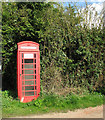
<point>28,71</point>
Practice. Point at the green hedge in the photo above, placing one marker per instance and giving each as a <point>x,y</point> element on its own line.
<point>71,54</point>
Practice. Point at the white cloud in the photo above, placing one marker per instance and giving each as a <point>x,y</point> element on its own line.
<point>75,0</point>
<point>98,7</point>
<point>96,0</point>
<point>92,18</point>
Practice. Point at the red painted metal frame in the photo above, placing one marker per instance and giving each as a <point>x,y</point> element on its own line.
<point>20,71</point>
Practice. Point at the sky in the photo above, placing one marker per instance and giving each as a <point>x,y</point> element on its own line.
<point>96,0</point>
<point>76,0</point>
<point>96,20</point>
<point>97,4</point>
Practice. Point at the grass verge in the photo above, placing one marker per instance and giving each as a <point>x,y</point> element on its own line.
<point>48,103</point>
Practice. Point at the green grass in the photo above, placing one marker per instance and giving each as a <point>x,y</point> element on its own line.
<point>48,103</point>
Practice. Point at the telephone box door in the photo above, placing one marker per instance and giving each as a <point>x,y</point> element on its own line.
<point>29,75</point>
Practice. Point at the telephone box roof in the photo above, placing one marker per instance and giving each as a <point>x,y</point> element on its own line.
<point>31,42</point>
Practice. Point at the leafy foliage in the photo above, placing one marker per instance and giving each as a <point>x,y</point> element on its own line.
<point>71,53</point>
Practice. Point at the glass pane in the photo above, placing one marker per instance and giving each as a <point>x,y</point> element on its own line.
<point>28,60</point>
<point>29,82</point>
<point>22,88</point>
<point>22,77</point>
<point>35,87</point>
<point>28,66</point>
<point>34,55</point>
<point>23,82</point>
<point>35,82</point>
<point>29,93</point>
<point>35,60</point>
<point>28,72</point>
<point>29,76</point>
<point>35,93</point>
<point>29,87</point>
<point>22,93</point>
<point>22,55</point>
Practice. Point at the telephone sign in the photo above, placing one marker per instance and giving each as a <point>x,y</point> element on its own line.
<point>28,71</point>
